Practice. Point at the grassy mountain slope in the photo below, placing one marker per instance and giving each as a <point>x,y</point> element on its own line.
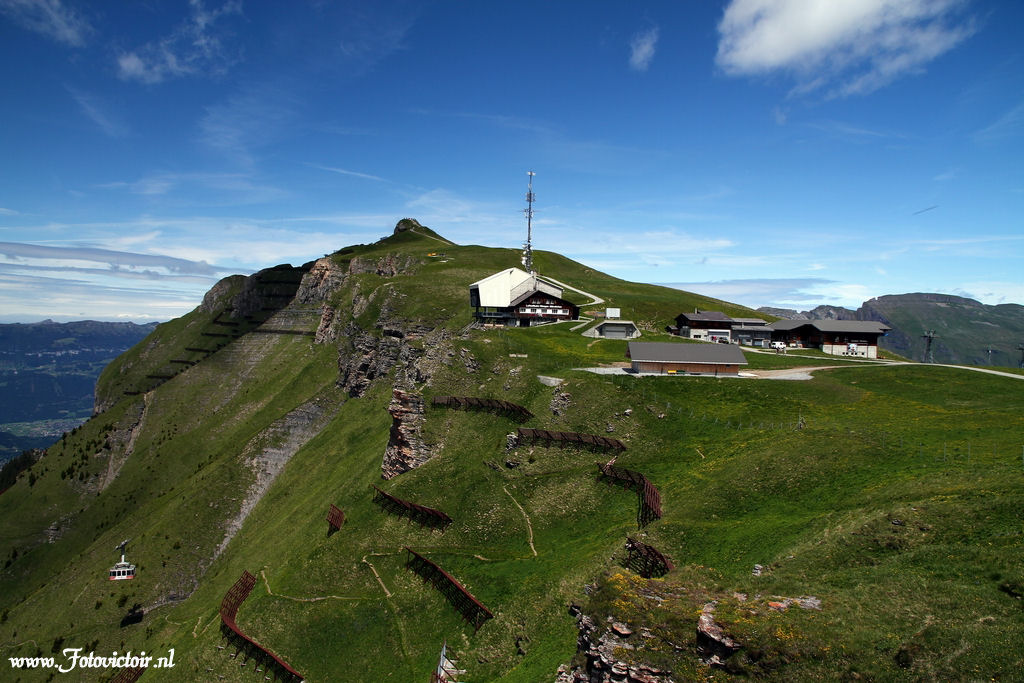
<point>890,493</point>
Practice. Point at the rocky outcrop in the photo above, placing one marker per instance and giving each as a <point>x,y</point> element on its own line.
<point>323,278</point>
<point>406,449</point>
<point>598,645</point>
<point>713,644</point>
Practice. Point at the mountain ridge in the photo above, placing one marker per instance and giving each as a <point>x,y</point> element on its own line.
<point>801,478</point>
<point>964,329</point>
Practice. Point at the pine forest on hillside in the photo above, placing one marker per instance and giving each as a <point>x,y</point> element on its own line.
<point>865,524</point>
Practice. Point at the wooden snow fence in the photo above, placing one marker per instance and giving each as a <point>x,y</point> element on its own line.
<point>471,609</point>
<point>335,518</point>
<point>591,441</point>
<point>128,675</point>
<point>424,516</point>
<point>646,560</point>
<point>235,596</point>
<point>494,405</point>
<point>650,498</point>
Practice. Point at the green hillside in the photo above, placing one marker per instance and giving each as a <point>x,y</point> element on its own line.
<point>889,493</point>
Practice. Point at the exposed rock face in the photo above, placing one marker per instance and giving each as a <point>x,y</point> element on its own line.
<point>598,645</point>
<point>560,401</point>
<point>388,265</point>
<point>713,644</point>
<point>327,330</point>
<point>406,449</point>
<point>322,279</point>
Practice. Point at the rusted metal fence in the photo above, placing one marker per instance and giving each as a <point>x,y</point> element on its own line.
<point>471,609</point>
<point>421,514</point>
<point>335,518</point>
<point>646,560</point>
<point>235,596</point>
<point>592,441</point>
<point>650,498</point>
<point>494,405</point>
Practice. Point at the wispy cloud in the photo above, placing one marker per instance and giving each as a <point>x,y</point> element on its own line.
<point>851,131</point>
<point>757,292</point>
<point>7,212</point>
<point>343,171</point>
<point>1010,124</point>
<point>846,48</point>
<point>193,47</point>
<point>50,18</point>
<point>219,188</point>
<point>99,112</point>
<point>249,119</point>
<point>641,49</point>
<point>16,252</point>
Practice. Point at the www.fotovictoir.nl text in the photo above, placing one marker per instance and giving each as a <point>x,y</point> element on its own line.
<point>74,659</point>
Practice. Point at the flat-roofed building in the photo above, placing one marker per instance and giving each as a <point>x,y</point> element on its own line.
<point>673,358</point>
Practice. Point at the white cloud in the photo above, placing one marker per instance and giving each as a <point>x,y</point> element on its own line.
<point>642,48</point>
<point>50,18</point>
<point>991,293</point>
<point>255,117</point>
<point>343,171</point>
<point>7,212</point>
<point>191,48</point>
<point>754,293</point>
<point>99,112</point>
<point>1008,125</point>
<point>849,47</point>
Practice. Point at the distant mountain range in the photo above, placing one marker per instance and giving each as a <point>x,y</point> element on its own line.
<point>48,374</point>
<point>964,329</point>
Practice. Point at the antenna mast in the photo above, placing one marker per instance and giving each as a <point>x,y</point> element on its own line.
<point>528,247</point>
<point>928,337</point>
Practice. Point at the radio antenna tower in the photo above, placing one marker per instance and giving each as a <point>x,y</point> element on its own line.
<point>928,337</point>
<point>528,247</point>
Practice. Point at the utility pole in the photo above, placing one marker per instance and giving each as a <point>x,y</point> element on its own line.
<point>928,336</point>
<point>528,247</point>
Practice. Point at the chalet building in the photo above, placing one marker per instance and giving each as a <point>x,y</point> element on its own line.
<point>857,338</point>
<point>516,298</point>
<point>751,332</point>
<point>710,326</point>
<point>672,358</point>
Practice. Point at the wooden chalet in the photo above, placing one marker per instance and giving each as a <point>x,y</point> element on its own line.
<point>858,338</point>
<point>705,325</point>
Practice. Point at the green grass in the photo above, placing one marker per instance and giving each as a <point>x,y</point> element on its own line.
<point>805,478</point>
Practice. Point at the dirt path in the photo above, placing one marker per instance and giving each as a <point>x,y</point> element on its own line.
<point>529,526</point>
<point>596,299</point>
<point>263,573</point>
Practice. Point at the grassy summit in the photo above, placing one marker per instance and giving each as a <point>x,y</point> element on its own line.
<point>889,493</point>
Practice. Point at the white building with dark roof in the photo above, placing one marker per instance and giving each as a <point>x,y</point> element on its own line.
<point>516,298</point>
<point>858,338</point>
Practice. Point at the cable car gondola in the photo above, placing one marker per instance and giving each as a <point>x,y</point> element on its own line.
<point>122,570</point>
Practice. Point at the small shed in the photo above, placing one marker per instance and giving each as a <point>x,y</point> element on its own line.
<point>672,358</point>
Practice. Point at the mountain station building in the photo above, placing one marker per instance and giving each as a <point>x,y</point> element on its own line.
<point>515,298</point>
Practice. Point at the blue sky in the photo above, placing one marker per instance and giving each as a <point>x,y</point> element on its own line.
<point>788,153</point>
